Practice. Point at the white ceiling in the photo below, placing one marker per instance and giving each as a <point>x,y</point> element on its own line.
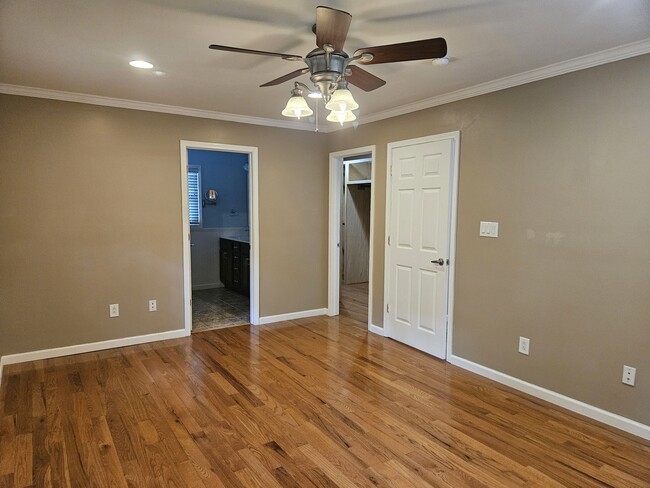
<point>83,46</point>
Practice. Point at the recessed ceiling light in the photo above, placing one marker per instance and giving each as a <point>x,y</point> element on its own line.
<point>139,63</point>
<point>440,61</point>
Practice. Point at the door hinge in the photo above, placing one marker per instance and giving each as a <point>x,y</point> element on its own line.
<point>189,236</point>
<point>391,170</point>
<point>190,302</point>
<point>387,308</point>
<point>389,240</point>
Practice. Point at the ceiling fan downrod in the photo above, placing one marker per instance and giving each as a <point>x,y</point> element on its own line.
<point>326,67</point>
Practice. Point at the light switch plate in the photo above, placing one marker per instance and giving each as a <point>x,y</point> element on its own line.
<point>489,229</point>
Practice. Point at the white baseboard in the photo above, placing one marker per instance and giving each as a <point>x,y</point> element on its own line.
<point>207,286</point>
<point>595,413</point>
<point>90,347</point>
<point>292,316</point>
<point>375,329</point>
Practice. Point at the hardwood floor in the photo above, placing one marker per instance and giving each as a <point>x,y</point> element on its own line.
<point>314,402</point>
<point>354,301</point>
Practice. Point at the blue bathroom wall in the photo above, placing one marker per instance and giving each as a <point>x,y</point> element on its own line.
<point>224,172</point>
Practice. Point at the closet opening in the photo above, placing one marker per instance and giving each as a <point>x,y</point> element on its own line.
<point>355,237</point>
<point>351,211</point>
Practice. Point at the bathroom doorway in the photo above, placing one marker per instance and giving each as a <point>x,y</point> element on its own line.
<point>219,203</point>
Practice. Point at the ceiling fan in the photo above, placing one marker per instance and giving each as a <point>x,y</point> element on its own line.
<point>330,66</point>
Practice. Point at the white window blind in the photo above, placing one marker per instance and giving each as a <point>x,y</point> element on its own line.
<point>194,194</point>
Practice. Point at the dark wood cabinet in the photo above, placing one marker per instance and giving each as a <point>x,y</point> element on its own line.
<point>234,265</point>
<point>245,269</point>
<point>225,262</point>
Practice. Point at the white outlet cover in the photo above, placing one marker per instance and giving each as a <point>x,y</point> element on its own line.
<point>524,345</point>
<point>114,310</point>
<point>153,305</point>
<point>629,375</point>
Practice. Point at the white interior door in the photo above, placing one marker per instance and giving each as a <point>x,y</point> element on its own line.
<point>418,251</point>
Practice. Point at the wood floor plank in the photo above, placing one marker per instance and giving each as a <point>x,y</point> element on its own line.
<point>23,461</point>
<point>354,301</point>
<point>7,446</point>
<point>315,402</point>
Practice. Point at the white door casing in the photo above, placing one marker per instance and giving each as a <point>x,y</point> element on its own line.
<point>336,181</point>
<point>254,225</point>
<point>418,248</point>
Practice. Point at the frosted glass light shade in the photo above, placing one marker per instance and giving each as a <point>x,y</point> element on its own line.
<point>341,101</point>
<point>297,107</point>
<point>341,116</point>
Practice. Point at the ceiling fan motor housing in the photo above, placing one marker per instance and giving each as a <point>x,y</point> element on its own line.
<point>326,68</point>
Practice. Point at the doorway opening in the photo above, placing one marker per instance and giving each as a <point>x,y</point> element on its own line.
<point>219,195</point>
<point>355,237</point>
<point>351,213</point>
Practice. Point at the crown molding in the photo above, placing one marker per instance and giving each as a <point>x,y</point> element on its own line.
<point>619,53</point>
<point>583,62</point>
<point>29,91</point>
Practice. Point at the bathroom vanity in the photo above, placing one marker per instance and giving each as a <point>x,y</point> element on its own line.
<point>234,264</point>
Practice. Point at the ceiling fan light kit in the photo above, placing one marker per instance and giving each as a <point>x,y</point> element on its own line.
<point>330,67</point>
<point>297,106</point>
<point>341,116</point>
<point>342,99</point>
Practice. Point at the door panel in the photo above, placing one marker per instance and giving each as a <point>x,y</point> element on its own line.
<point>427,312</point>
<point>405,225</point>
<point>430,231</point>
<point>419,227</point>
<point>403,298</point>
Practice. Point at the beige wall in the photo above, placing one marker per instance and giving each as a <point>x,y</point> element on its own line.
<point>563,165</point>
<point>90,215</point>
<point>90,212</point>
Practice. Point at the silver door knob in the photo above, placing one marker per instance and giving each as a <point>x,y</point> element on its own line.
<point>439,261</point>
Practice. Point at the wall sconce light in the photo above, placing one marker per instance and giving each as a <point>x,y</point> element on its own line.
<point>210,197</point>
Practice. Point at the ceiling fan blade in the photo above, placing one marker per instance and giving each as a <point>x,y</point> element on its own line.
<point>332,27</point>
<point>405,51</point>
<point>364,80</point>
<point>282,79</point>
<point>289,57</point>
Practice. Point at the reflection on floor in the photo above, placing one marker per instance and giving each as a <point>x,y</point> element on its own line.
<point>354,301</point>
<point>218,308</point>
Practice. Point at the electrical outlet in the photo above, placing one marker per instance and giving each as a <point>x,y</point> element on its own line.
<point>629,375</point>
<point>524,345</point>
<point>114,310</point>
<point>153,305</point>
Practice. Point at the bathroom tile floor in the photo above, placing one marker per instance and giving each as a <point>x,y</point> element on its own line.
<point>218,308</point>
